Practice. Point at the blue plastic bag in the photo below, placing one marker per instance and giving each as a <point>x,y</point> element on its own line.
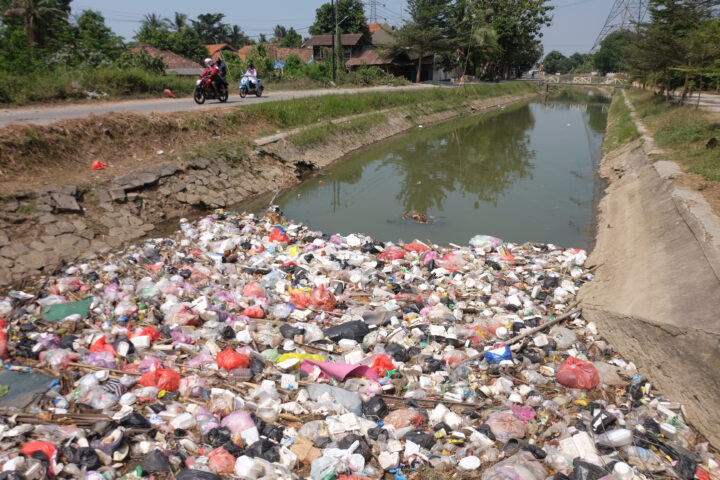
<point>498,354</point>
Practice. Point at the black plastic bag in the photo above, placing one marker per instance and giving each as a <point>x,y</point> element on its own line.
<point>350,330</point>
<point>375,408</point>
<point>155,461</point>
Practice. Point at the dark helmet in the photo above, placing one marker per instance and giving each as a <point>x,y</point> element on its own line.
<point>250,65</point>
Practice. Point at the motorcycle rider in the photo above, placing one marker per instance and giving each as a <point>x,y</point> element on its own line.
<point>252,75</point>
<point>222,71</point>
<point>211,71</point>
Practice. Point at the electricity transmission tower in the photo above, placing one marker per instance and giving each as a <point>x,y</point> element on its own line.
<point>373,4</point>
<point>625,15</point>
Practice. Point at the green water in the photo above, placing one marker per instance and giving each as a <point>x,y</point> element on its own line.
<point>526,173</point>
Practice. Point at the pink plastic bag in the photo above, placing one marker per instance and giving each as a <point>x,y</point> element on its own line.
<point>237,422</point>
<point>255,311</point>
<point>221,461</point>
<point>322,298</point>
<point>452,261</point>
<point>576,373</point>
<point>252,289</point>
<point>506,426</point>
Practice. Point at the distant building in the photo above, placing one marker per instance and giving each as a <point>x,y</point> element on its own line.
<point>352,44</point>
<point>277,52</point>
<point>381,34</point>
<point>216,51</point>
<point>174,63</point>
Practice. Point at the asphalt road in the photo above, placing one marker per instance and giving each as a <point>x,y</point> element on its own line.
<point>43,115</point>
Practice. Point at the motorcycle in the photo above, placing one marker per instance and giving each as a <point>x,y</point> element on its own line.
<point>247,87</point>
<point>205,91</point>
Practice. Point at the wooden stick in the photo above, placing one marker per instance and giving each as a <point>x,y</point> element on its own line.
<point>517,338</point>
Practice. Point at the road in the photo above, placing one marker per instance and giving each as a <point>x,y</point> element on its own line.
<point>708,101</point>
<point>43,115</point>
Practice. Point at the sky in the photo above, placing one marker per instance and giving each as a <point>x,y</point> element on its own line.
<point>574,29</point>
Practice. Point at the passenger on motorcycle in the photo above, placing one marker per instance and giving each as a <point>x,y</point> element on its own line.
<point>211,71</point>
<point>252,75</point>
<point>222,71</point>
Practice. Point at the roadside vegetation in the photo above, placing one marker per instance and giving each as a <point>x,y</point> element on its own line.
<point>621,127</point>
<point>683,130</point>
<point>321,133</point>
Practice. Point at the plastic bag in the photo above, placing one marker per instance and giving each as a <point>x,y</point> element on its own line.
<point>278,235</point>
<point>382,364</point>
<point>162,379</point>
<point>98,165</point>
<point>156,461</point>
<point>238,421</point>
<point>253,289</point>
<point>58,359</point>
<point>506,426</point>
<point>299,299</point>
<point>576,373</point>
<point>229,359</point>
<point>255,311</point>
<point>405,417</point>
<point>322,298</point>
<point>392,254</point>
<point>521,466</point>
<point>485,241</point>
<point>416,246</point>
<point>498,354</point>
<point>221,461</point>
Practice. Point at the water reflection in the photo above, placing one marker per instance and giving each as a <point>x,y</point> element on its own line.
<point>527,173</point>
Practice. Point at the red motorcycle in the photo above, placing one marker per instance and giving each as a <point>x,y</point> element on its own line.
<point>205,91</point>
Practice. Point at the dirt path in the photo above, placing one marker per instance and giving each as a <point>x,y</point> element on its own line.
<point>44,115</point>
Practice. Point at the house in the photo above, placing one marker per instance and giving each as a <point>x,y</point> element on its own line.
<point>381,34</point>
<point>276,52</point>
<point>219,49</point>
<point>352,44</point>
<point>174,63</point>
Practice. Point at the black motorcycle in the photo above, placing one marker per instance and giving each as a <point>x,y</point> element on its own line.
<point>205,91</point>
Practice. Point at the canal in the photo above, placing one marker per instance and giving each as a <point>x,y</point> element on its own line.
<point>524,173</point>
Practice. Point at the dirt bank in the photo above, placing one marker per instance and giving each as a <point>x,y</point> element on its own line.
<point>72,218</point>
<point>656,292</point>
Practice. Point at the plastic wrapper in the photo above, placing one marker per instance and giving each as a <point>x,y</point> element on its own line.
<point>162,379</point>
<point>229,359</point>
<point>576,373</point>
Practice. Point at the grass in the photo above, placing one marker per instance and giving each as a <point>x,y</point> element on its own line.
<point>682,130</point>
<point>321,133</point>
<point>74,84</point>
<point>297,112</point>
<point>621,127</point>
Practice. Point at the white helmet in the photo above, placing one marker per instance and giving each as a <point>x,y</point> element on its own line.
<point>208,61</point>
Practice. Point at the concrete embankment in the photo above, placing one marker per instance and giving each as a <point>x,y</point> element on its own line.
<point>656,293</point>
<point>40,229</point>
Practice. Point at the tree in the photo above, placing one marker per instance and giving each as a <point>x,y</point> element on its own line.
<point>93,34</point>
<point>262,38</point>
<point>36,16</point>
<point>292,39</point>
<point>556,62</point>
<point>426,32</point>
<point>187,43</point>
<point>472,39</point>
<point>237,38</point>
<point>279,33</point>
<point>613,52</point>
<point>518,24</point>
<point>210,28</point>
<point>180,21</point>
<point>350,16</point>
<point>154,31</point>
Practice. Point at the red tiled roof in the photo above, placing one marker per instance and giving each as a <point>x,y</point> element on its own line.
<point>215,50</point>
<point>245,51</point>
<point>369,57</point>
<point>374,27</point>
<point>347,39</point>
<point>172,60</point>
<point>278,53</point>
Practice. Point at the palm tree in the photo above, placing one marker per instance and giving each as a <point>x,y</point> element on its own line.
<point>36,15</point>
<point>180,21</point>
<point>155,21</point>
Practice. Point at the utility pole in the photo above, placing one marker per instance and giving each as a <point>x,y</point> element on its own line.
<point>624,15</point>
<point>334,60</point>
<point>335,39</point>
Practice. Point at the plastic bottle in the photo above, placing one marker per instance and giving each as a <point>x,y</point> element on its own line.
<point>622,471</point>
<point>616,438</point>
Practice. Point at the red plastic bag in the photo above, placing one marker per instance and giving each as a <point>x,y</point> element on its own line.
<point>39,446</point>
<point>252,289</point>
<point>98,165</point>
<point>255,311</point>
<point>229,359</point>
<point>169,93</point>
<point>323,299</point>
<point>100,345</point>
<point>278,235</point>
<point>4,355</point>
<point>221,461</point>
<point>576,373</point>
<point>162,379</point>
<point>416,246</point>
<point>146,332</point>
<point>452,261</point>
<point>392,254</point>
<point>382,364</point>
<point>405,417</point>
<point>299,299</point>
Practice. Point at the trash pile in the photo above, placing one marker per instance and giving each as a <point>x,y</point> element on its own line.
<point>243,348</point>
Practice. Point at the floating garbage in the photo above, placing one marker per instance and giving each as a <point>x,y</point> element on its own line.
<point>255,348</point>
